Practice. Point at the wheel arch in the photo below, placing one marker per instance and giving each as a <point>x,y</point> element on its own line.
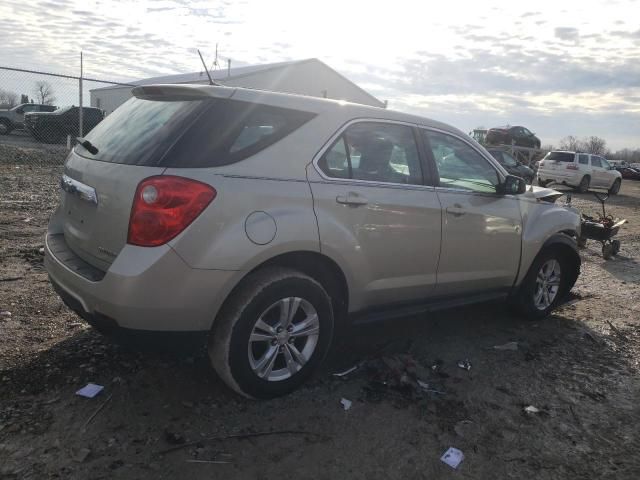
<point>565,243</point>
<point>320,267</point>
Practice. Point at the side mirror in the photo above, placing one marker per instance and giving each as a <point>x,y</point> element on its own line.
<point>512,185</point>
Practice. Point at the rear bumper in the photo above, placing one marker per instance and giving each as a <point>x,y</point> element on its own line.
<point>148,289</point>
<point>567,177</point>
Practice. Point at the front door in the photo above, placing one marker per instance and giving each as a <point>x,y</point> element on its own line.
<point>481,230</point>
<point>376,216</point>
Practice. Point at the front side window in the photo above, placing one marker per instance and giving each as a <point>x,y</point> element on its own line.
<point>583,159</point>
<point>509,161</point>
<point>460,166</point>
<point>595,162</point>
<point>605,164</point>
<point>375,152</point>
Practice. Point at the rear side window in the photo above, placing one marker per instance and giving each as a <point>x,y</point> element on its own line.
<point>190,133</point>
<point>375,152</point>
<point>561,157</point>
<point>583,159</point>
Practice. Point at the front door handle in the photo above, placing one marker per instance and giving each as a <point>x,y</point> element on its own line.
<point>456,210</point>
<point>352,198</point>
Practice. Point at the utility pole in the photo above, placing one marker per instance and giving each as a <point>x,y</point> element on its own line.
<point>228,67</point>
<point>80,109</point>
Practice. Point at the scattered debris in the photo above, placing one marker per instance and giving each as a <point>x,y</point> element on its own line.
<point>241,436</point>
<point>11,279</point>
<point>90,390</point>
<point>347,372</point>
<point>452,457</point>
<point>531,409</point>
<point>464,364</point>
<point>98,410</point>
<point>513,346</point>
<point>346,404</point>
<point>5,314</point>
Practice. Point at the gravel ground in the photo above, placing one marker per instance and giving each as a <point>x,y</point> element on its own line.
<point>579,368</point>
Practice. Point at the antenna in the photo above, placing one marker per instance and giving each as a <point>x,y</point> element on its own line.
<point>211,82</point>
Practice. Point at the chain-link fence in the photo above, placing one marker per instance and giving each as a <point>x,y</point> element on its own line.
<point>47,111</point>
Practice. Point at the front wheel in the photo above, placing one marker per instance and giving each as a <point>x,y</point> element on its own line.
<point>544,286</point>
<point>272,333</point>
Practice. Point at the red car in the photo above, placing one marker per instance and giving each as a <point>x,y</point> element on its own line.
<point>629,173</point>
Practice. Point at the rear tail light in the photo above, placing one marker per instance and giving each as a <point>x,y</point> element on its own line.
<point>164,206</point>
<point>572,166</point>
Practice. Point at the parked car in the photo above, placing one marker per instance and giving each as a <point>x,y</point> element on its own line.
<point>53,127</point>
<point>511,165</point>
<point>578,170</point>
<point>509,135</point>
<point>268,221</point>
<point>629,173</point>
<point>13,119</point>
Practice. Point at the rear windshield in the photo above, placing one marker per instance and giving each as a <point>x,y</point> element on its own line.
<point>189,133</point>
<point>561,156</point>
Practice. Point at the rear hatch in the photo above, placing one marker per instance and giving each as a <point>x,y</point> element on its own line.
<point>161,127</point>
<point>557,160</point>
<point>98,188</point>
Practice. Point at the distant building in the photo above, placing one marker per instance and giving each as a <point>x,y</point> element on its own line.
<point>304,77</point>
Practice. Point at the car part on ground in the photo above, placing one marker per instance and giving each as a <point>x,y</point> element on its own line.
<point>240,213</point>
<point>602,229</point>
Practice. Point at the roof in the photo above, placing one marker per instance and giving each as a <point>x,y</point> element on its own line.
<point>233,73</point>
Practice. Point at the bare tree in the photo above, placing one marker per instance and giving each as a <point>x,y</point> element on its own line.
<point>595,145</point>
<point>8,99</point>
<point>44,93</point>
<point>571,143</point>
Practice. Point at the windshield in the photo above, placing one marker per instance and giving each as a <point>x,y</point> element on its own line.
<point>560,156</point>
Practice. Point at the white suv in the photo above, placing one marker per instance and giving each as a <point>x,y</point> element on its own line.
<point>579,170</point>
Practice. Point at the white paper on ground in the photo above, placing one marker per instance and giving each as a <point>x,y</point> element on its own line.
<point>452,457</point>
<point>90,390</point>
<point>346,404</point>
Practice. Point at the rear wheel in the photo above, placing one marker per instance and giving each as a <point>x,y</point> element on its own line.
<point>615,188</point>
<point>583,187</point>
<point>272,333</point>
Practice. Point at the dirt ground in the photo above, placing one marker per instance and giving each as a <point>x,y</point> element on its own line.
<point>580,368</point>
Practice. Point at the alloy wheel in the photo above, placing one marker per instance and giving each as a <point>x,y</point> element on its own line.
<point>547,284</point>
<point>283,339</point>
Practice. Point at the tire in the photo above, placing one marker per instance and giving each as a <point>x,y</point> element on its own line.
<point>262,296</point>
<point>526,298</point>
<point>607,251</point>
<point>541,182</point>
<point>615,188</point>
<point>616,247</point>
<point>5,127</point>
<point>583,186</point>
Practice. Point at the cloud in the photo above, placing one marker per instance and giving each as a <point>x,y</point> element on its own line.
<point>567,33</point>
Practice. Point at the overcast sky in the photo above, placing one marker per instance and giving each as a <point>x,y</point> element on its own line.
<point>557,67</point>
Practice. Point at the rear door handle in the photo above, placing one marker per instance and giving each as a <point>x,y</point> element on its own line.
<point>352,198</point>
<point>456,210</point>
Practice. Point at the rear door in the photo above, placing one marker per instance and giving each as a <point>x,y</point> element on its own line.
<point>599,176</point>
<point>375,215</point>
<point>481,229</point>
